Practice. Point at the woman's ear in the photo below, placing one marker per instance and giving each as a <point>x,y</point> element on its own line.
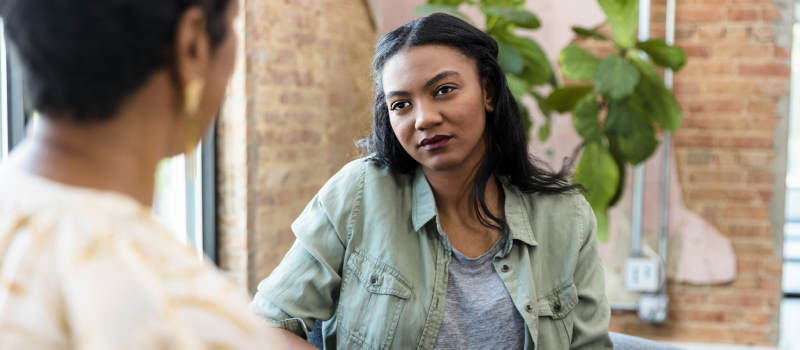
<point>192,49</point>
<point>489,93</point>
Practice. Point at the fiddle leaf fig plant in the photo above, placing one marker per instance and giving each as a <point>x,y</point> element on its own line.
<point>522,59</point>
<point>617,104</point>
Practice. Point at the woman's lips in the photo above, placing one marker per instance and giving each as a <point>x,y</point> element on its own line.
<point>435,142</point>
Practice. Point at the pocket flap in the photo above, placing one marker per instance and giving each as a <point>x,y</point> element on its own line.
<point>558,302</point>
<point>378,277</point>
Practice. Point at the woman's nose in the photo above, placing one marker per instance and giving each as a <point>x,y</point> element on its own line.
<point>427,116</point>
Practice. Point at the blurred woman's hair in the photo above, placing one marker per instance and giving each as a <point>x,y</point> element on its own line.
<point>85,56</point>
<point>507,149</point>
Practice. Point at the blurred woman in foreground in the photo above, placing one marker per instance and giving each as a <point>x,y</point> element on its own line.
<point>83,263</point>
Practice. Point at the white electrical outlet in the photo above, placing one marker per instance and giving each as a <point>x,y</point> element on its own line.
<point>641,275</point>
<point>653,308</point>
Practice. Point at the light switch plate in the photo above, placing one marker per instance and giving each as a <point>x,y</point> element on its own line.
<point>641,275</point>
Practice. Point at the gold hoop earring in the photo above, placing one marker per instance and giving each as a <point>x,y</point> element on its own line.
<point>192,96</point>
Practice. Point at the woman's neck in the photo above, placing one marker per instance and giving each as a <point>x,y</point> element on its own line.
<point>120,154</point>
<point>454,191</point>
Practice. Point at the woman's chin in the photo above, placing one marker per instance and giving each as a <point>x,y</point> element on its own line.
<point>444,162</point>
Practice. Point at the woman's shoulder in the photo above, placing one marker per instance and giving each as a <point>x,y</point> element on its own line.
<point>363,174</point>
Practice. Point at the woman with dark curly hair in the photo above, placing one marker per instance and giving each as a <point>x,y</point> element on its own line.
<point>121,85</point>
<point>449,235</point>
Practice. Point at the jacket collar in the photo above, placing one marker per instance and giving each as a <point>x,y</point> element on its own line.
<point>423,208</point>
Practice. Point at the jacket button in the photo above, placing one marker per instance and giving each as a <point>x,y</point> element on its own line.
<point>374,280</point>
<point>557,307</point>
<point>504,268</point>
<point>529,308</point>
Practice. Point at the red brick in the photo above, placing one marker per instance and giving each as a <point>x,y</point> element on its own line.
<point>774,88</point>
<point>751,337</point>
<point>740,300</point>
<point>738,34</point>
<point>749,264</point>
<point>764,33</point>
<point>769,105</point>
<point>771,14</point>
<point>760,177</point>
<point>760,247</point>
<point>697,50</point>
<point>736,212</point>
<point>743,50</point>
<point>770,283</point>
<point>713,176</point>
<point>704,334</point>
<point>746,141</point>
<point>773,267</point>
<point>683,140</point>
<point>717,105</point>
<point>758,318</point>
<point>712,32</point>
<point>699,68</point>
<point>765,69</point>
<point>782,52</point>
<point>695,14</point>
<point>746,281</point>
<point>743,14</point>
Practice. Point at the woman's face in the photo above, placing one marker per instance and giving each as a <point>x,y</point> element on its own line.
<point>220,67</point>
<point>437,106</point>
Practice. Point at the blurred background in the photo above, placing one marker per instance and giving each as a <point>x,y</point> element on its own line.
<point>711,261</point>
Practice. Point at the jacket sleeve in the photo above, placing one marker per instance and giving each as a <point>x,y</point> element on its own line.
<point>301,289</point>
<point>592,313</point>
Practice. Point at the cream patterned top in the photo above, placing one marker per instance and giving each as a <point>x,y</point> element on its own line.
<point>85,269</point>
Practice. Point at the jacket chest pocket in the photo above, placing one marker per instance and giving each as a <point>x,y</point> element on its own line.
<point>373,296</point>
<point>555,318</point>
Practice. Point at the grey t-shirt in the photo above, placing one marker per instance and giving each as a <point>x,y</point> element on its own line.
<point>478,310</point>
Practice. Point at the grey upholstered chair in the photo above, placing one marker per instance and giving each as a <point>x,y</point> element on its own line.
<point>621,341</point>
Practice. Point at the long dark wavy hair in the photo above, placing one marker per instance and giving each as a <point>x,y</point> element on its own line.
<point>507,149</point>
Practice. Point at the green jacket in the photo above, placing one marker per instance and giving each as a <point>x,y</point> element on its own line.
<point>371,261</point>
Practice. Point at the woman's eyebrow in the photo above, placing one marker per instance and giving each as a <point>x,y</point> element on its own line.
<point>441,76</point>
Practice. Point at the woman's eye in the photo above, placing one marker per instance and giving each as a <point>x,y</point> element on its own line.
<point>399,105</point>
<point>444,89</point>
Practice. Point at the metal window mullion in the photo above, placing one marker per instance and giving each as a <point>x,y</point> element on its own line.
<point>208,169</point>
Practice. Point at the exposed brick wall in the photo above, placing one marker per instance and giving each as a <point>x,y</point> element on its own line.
<point>232,170</point>
<point>310,93</point>
<point>734,93</point>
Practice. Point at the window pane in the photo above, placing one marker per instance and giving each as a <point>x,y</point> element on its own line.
<point>178,200</point>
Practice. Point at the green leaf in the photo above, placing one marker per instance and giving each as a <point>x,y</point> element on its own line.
<point>623,16</point>
<point>564,99</point>
<point>585,121</point>
<point>613,147</point>
<point>519,17</point>
<point>619,118</point>
<point>509,58</point>
<point>517,86</point>
<point>577,63</point>
<point>636,139</point>
<point>598,173</point>
<point>542,102</point>
<point>589,33</point>
<point>603,233</point>
<point>429,9</point>
<point>537,69</point>
<point>616,78</point>
<point>526,119</point>
<point>653,100</point>
<point>446,2</point>
<point>544,132</point>
<point>664,55</point>
<point>641,144</point>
